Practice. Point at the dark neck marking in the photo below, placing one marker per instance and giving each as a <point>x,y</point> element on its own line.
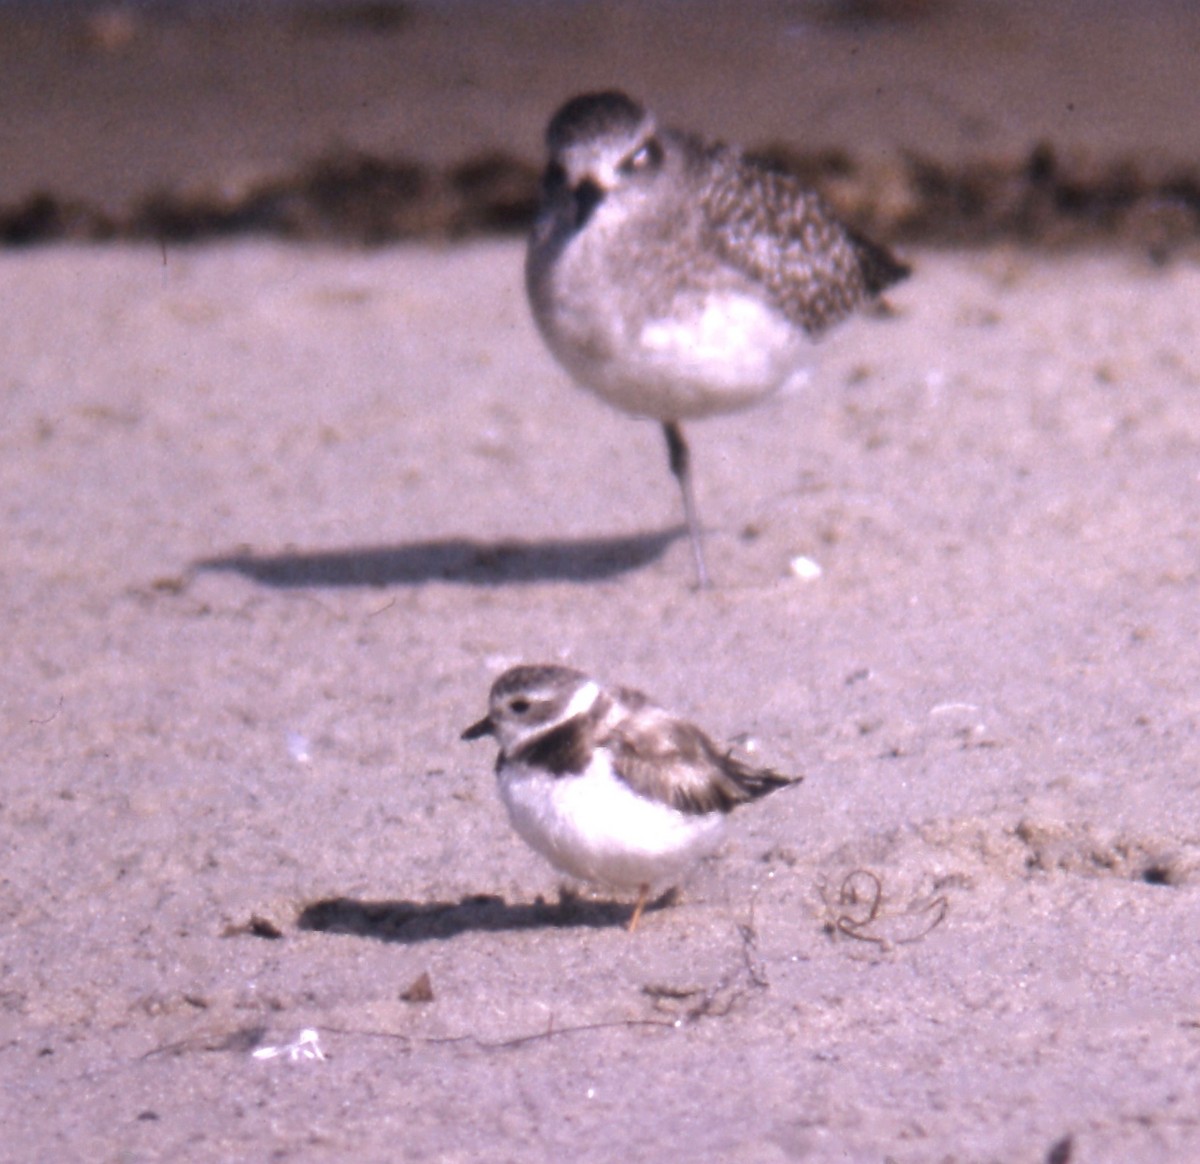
<point>564,750</point>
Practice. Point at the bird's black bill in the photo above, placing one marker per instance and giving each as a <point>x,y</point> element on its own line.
<point>476,731</point>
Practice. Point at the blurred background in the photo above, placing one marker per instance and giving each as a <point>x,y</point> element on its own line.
<point>957,121</point>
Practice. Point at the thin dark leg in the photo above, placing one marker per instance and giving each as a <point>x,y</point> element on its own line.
<point>680,460</point>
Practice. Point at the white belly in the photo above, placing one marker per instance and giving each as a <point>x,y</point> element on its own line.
<point>594,827</point>
<point>717,353</point>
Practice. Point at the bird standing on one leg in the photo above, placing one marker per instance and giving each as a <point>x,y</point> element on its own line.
<point>676,278</point>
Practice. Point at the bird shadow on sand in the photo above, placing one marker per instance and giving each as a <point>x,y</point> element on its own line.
<point>462,560</point>
<point>409,922</point>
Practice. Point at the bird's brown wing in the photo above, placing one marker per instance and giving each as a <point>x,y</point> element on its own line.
<point>782,235</point>
<point>674,762</point>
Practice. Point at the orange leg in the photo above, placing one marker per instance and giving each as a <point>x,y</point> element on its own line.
<point>643,897</point>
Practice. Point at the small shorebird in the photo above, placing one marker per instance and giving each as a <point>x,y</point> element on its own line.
<point>605,784</point>
<point>676,278</point>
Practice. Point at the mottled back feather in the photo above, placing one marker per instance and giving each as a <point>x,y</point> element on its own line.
<point>673,761</point>
<point>782,235</point>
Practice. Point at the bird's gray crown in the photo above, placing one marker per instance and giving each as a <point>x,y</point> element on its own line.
<point>535,680</point>
<point>593,115</point>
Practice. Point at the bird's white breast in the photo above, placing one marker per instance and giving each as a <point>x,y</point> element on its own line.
<point>714,352</point>
<point>729,349</point>
<point>595,827</point>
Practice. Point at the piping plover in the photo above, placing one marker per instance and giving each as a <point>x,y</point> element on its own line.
<point>605,784</point>
<point>676,278</point>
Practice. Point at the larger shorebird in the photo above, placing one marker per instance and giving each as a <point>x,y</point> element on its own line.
<point>676,278</point>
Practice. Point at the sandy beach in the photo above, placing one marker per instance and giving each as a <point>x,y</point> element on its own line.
<point>276,514</point>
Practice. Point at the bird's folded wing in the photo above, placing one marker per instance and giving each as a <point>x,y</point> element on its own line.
<point>782,236</point>
<point>674,762</point>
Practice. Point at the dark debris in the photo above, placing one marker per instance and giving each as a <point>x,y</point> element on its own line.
<point>1041,199</point>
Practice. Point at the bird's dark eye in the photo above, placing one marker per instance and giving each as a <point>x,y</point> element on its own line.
<point>519,706</point>
<point>648,156</point>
